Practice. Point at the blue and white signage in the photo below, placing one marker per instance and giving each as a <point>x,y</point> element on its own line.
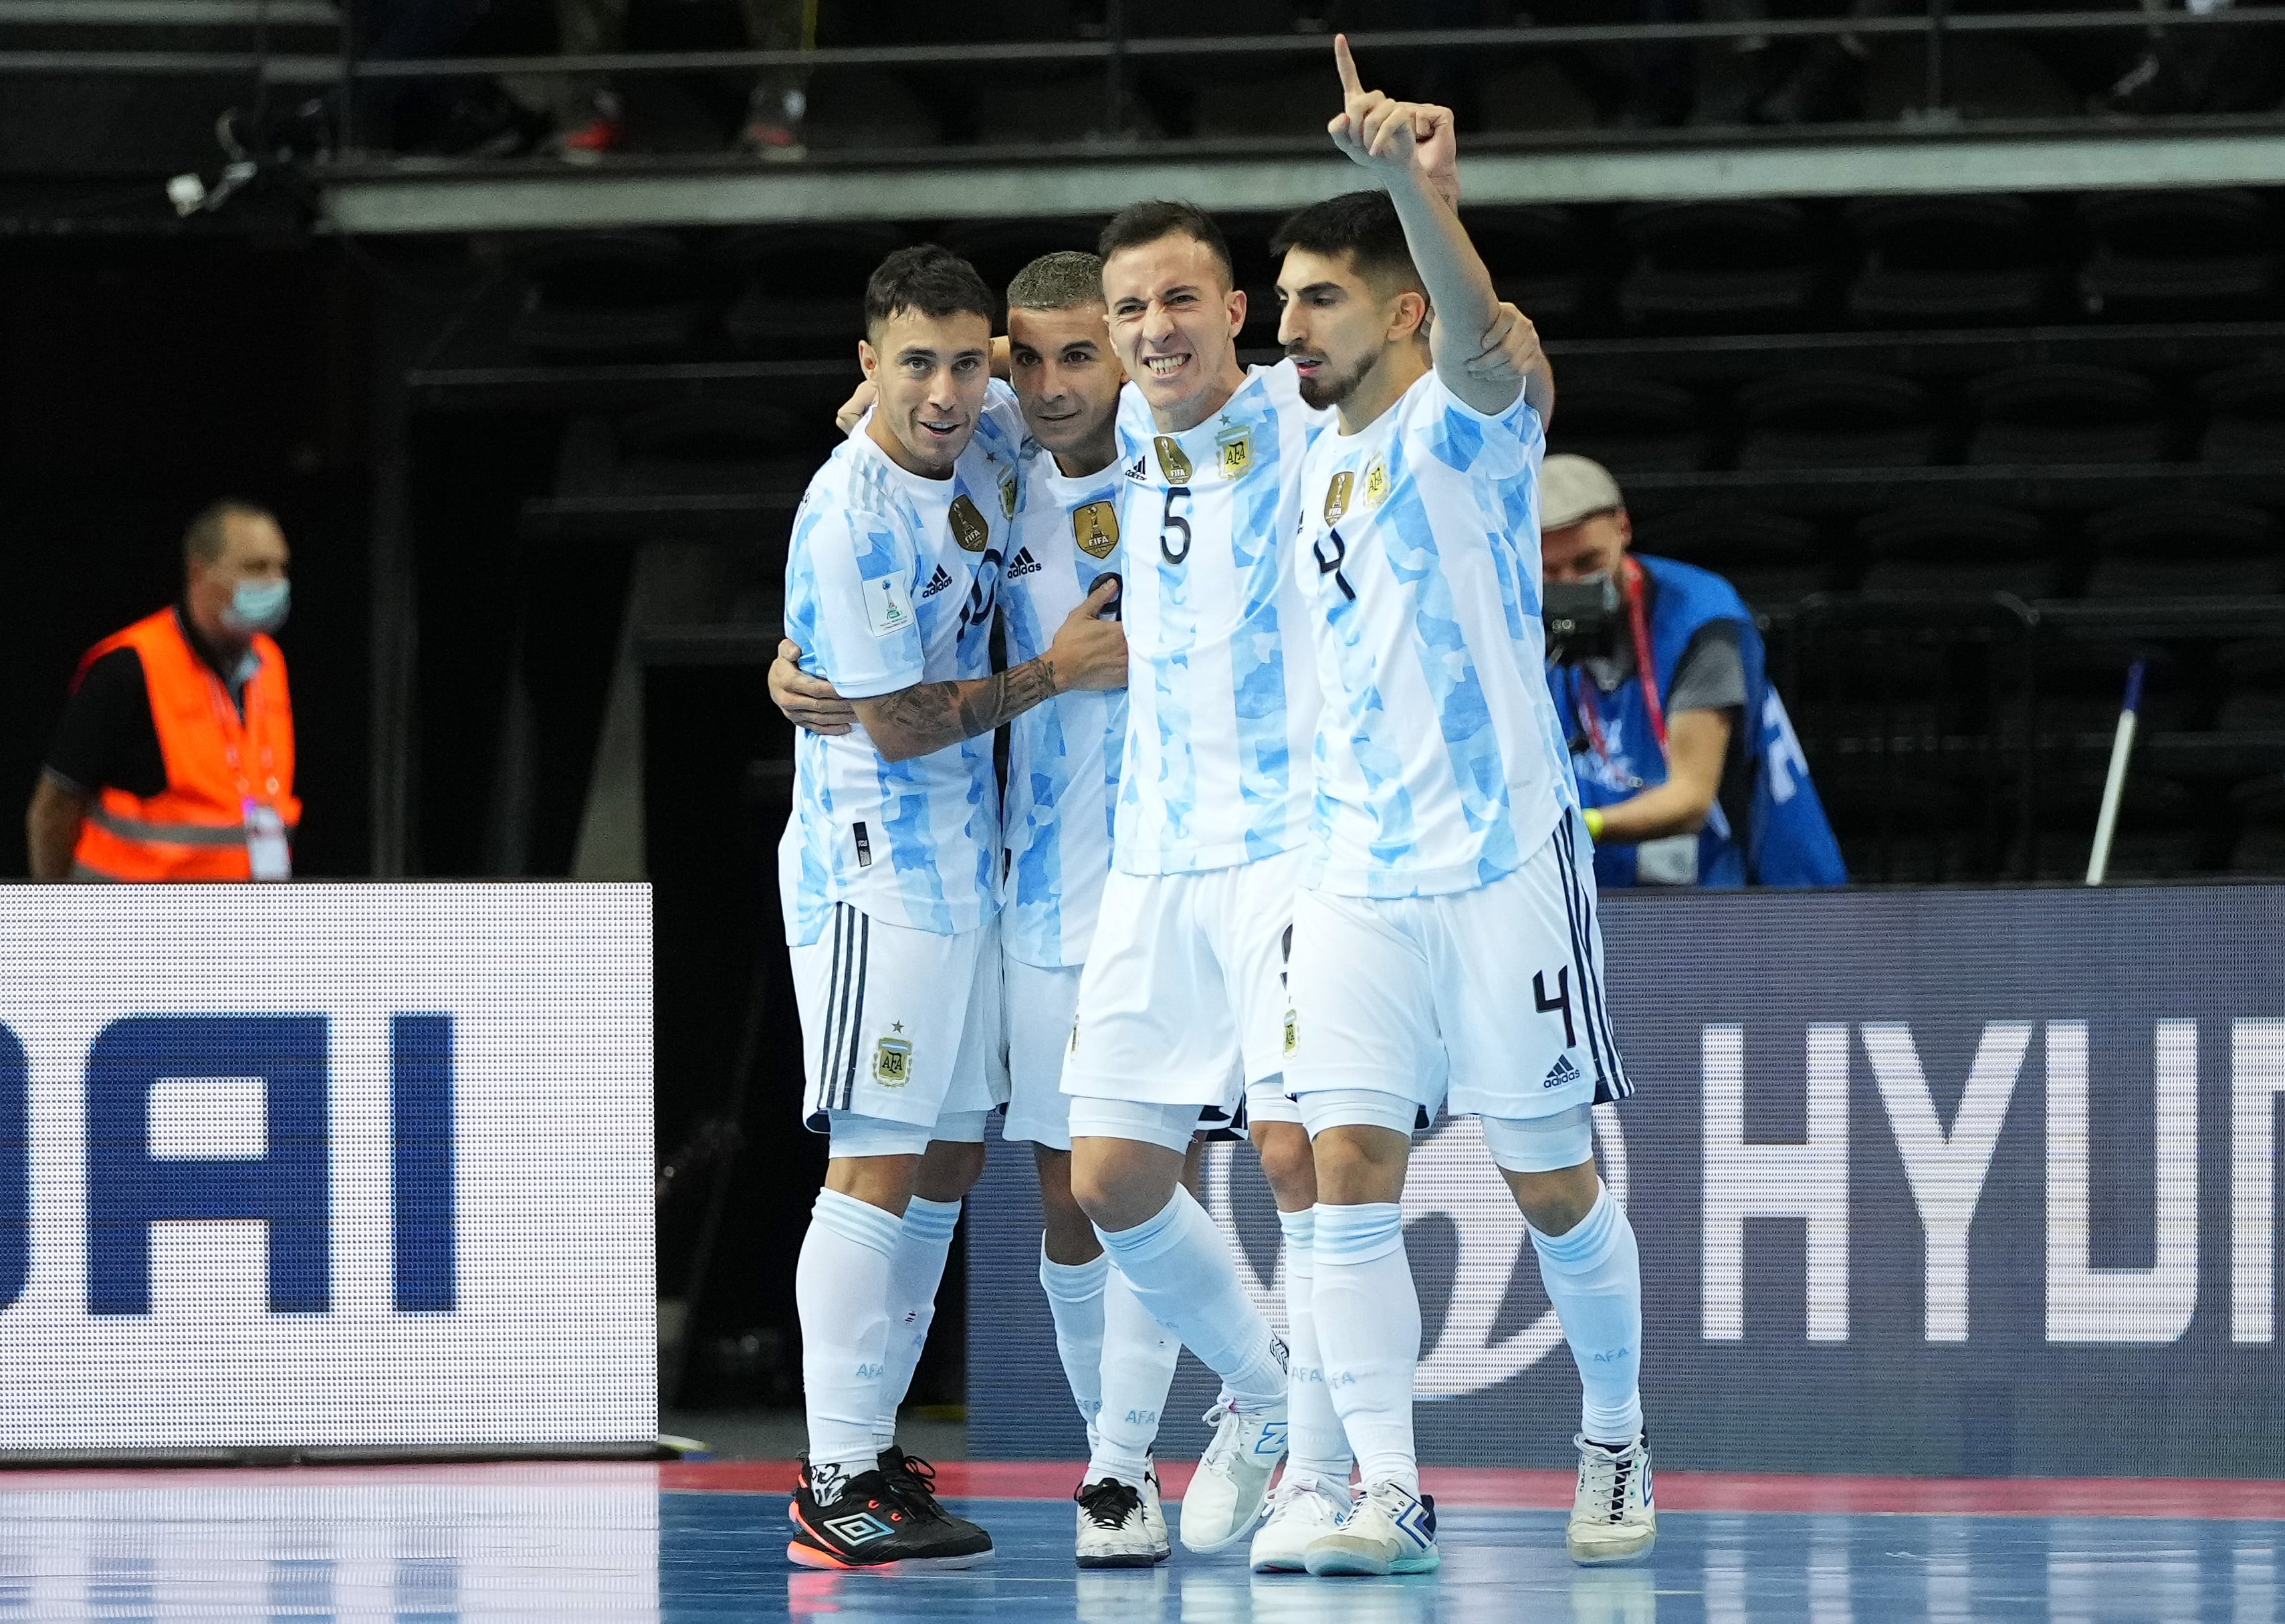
<point>325,1167</point>
<point>1951,1181</point>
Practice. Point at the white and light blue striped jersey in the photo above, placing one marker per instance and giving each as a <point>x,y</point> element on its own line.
<point>1440,762</point>
<point>891,581</point>
<point>1063,755</point>
<point>1223,693</point>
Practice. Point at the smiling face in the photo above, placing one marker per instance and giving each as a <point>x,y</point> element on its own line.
<point>1175,320</point>
<point>931,373</point>
<point>1065,379</point>
<point>1336,324</point>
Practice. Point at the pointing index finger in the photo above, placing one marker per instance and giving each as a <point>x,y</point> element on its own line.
<point>1350,84</point>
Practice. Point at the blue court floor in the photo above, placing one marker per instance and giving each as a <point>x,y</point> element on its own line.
<point>411,1548</point>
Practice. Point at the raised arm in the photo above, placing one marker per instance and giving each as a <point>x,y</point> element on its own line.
<point>1380,135</point>
<point>1087,652</point>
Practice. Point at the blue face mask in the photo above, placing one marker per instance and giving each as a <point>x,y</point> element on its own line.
<point>259,606</point>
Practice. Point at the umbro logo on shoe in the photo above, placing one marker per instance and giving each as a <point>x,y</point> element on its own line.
<point>1025,564</point>
<point>862,1529</point>
<point>1562,1072</point>
<point>937,582</point>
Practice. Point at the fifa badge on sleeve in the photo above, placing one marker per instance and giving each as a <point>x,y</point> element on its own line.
<point>968,526</point>
<point>1095,528</point>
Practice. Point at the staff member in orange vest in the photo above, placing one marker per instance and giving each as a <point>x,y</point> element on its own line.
<point>175,760</point>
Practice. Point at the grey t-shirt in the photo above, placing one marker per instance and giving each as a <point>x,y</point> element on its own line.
<point>1711,676</point>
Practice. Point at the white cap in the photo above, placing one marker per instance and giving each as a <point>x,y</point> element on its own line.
<point>1572,487</point>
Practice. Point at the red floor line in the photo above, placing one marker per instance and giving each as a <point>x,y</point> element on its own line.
<point>2207,1498</point>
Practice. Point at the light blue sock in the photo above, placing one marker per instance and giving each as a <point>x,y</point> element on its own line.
<point>1593,1275</point>
<point>1367,1322</point>
<point>915,1273</point>
<point>841,1288</point>
<point>1313,1427</point>
<point>1181,1270</point>
<point>1075,1303</point>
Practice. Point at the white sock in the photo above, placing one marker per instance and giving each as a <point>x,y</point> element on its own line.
<point>1593,1275</point>
<point>1313,1431</point>
<point>1368,1321</point>
<point>914,1276</point>
<point>1075,1300</point>
<point>1181,1270</point>
<point>1138,1367</point>
<point>841,1289</point>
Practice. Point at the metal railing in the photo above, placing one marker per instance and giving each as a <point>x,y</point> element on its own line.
<point>1117,54</point>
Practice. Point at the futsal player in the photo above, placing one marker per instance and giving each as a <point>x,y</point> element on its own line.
<point>1062,777</point>
<point>1446,949</point>
<point>888,872</point>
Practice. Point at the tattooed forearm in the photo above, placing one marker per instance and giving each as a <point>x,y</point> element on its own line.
<point>934,716</point>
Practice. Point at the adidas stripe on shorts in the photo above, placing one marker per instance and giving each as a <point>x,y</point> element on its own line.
<point>895,1023</point>
<point>1488,1001</point>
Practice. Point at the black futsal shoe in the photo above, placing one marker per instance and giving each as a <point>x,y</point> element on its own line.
<point>913,1480</point>
<point>870,1521</point>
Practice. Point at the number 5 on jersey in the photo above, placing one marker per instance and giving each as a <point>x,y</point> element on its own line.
<point>1170,522</point>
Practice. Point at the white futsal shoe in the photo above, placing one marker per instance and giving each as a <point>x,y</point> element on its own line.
<point>1154,1513</point>
<point>1615,1516</point>
<point>1305,1506</point>
<point>1390,1530</point>
<point>1112,1531</point>
<point>1227,1496</point>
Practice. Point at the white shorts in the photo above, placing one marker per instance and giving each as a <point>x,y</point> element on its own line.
<point>1183,1000</point>
<point>1039,1002</point>
<point>1490,1002</point>
<point>897,1024</point>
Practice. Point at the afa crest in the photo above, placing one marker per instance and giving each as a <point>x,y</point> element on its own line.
<point>892,1062</point>
<point>1008,490</point>
<point>1095,528</point>
<point>1376,484</point>
<point>1234,451</point>
<point>1336,496</point>
<point>1172,461</point>
<point>968,526</point>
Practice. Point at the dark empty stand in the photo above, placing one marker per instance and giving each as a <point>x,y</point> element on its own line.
<point>2245,413</point>
<point>1738,265</point>
<point>1935,260</point>
<point>999,249</point>
<point>802,288</point>
<point>2258,807</point>
<point>2177,256</point>
<point>1540,263</point>
<point>1957,547</point>
<point>1835,420</point>
<point>606,296</point>
<point>2184,548</point>
<point>2063,412</point>
<point>1630,425</point>
<point>1773,560</point>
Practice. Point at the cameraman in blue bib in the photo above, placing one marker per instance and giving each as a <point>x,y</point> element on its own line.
<point>1688,766</point>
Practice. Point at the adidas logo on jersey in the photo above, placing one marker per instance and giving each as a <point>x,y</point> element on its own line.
<point>1562,1072</point>
<point>1134,470</point>
<point>937,582</point>
<point>1025,564</point>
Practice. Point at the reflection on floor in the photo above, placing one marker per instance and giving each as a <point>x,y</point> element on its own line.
<point>434,1545</point>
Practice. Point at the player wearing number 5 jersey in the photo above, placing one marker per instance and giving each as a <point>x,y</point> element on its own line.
<point>1446,949</point>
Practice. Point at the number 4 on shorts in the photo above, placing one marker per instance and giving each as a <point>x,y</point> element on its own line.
<point>1561,1001</point>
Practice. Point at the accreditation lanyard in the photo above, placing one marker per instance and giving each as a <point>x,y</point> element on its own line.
<point>268,851</point>
<point>1583,700</point>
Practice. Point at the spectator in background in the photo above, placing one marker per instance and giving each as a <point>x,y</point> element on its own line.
<point>1687,765</point>
<point>590,122</point>
<point>175,760</point>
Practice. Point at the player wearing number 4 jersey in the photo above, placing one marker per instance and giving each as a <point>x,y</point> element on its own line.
<point>1446,946</point>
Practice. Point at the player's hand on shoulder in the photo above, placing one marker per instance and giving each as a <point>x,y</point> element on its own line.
<point>1371,128</point>
<point>1509,349</point>
<point>808,701</point>
<point>1090,652</point>
<point>859,402</point>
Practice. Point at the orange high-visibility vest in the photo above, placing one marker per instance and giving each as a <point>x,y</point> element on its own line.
<point>219,767</point>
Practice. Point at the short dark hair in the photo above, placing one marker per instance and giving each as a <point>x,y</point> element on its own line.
<point>927,281</point>
<point>209,532</point>
<point>1061,281</point>
<point>1138,223</point>
<point>1363,225</point>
